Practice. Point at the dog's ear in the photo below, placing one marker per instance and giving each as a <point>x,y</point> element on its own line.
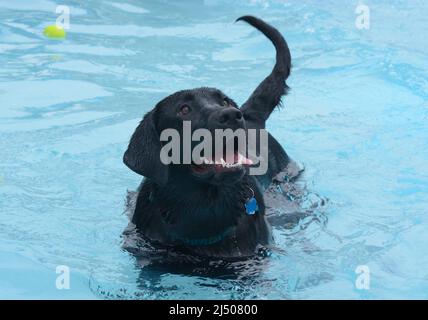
<point>143,153</point>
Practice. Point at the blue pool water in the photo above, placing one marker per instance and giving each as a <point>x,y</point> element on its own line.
<point>356,117</point>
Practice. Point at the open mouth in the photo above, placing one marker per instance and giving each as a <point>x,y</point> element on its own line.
<point>222,164</point>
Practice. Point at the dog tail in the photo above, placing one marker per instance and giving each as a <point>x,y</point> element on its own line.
<point>268,94</point>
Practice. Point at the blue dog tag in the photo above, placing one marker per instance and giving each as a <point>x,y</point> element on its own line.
<point>251,206</point>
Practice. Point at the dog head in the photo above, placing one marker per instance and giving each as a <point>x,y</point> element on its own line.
<point>202,108</point>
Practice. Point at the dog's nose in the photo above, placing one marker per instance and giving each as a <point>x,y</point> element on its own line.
<point>230,115</point>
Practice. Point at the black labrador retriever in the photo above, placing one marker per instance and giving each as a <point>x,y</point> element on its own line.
<point>207,209</point>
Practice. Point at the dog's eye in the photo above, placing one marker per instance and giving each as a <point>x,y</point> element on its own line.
<point>185,109</point>
<point>225,103</point>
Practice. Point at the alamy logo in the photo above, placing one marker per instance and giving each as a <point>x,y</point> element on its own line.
<point>231,147</point>
<point>63,20</point>
<point>63,279</point>
<point>363,19</point>
<point>363,279</point>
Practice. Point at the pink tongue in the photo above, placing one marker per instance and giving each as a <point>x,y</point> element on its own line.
<point>245,160</point>
<point>237,157</point>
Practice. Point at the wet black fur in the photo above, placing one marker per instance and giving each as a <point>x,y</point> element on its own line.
<point>179,212</point>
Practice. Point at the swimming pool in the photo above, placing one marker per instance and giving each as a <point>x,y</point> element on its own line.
<point>356,117</point>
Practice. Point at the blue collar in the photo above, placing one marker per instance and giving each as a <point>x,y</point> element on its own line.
<point>251,208</point>
<point>207,241</point>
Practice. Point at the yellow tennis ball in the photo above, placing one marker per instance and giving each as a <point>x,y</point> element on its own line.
<point>54,32</point>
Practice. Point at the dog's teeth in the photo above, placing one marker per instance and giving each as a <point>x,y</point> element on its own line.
<point>223,163</point>
<point>232,165</point>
